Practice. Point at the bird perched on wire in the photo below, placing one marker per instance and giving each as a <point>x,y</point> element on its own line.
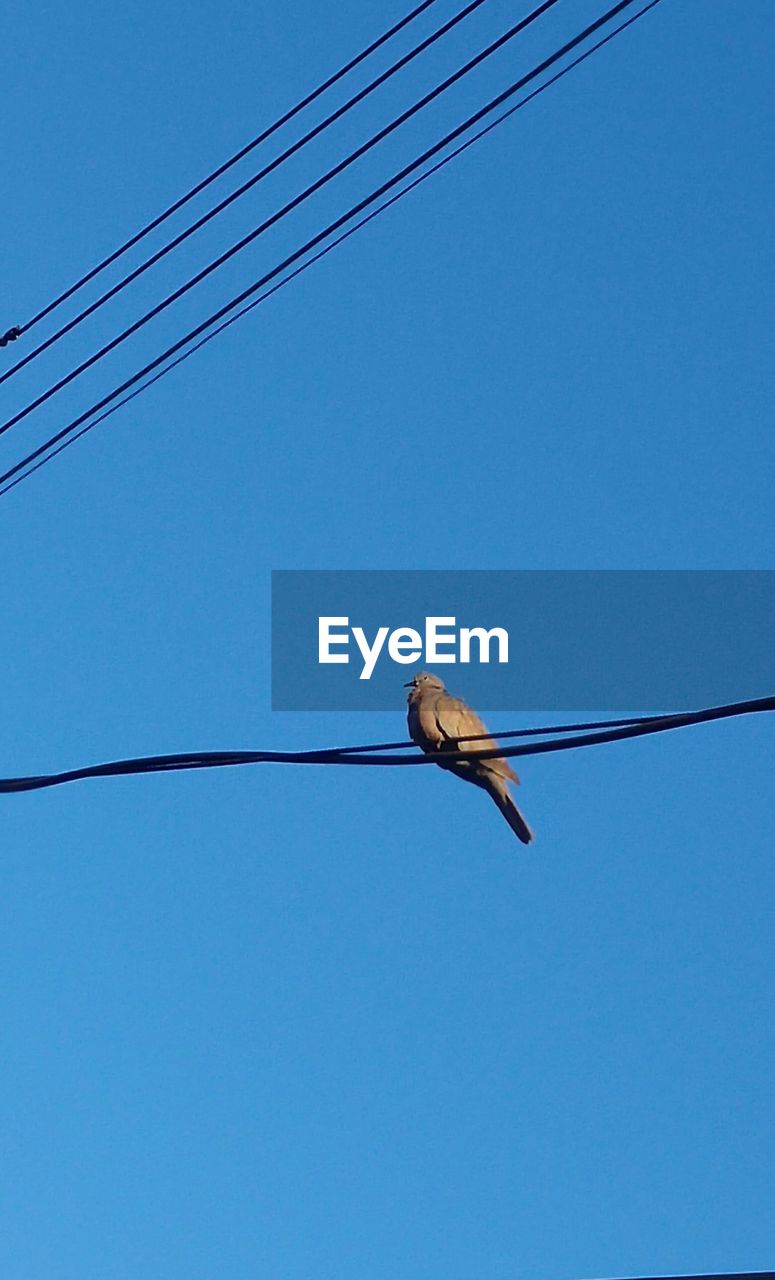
<point>439,722</point>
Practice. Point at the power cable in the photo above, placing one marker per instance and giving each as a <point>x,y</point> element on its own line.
<point>18,330</point>
<point>241,190</point>
<point>287,208</point>
<point>312,244</point>
<point>328,248</point>
<point>615,731</point>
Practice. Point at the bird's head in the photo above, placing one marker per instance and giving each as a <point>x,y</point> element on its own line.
<point>425,680</point>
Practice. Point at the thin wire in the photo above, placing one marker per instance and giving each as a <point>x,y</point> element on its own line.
<point>299,199</point>
<point>245,187</point>
<point>514,733</point>
<point>328,248</point>
<point>313,243</point>
<point>368,756</point>
<point>227,164</point>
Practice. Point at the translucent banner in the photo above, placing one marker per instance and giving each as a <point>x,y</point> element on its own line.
<point>607,640</point>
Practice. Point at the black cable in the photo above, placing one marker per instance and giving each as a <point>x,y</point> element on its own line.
<point>583,727</point>
<point>227,164</point>
<point>314,242</point>
<point>299,199</point>
<point>367,756</point>
<point>245,187</point>
<point>329,247</point>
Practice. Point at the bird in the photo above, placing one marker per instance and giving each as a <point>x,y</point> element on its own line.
<point>440,722</point>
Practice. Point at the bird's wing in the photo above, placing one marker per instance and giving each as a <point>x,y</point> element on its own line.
<point>454,719</point>
<point>423,725</point>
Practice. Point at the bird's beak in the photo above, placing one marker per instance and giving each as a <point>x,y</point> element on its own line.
<point>409,684</point>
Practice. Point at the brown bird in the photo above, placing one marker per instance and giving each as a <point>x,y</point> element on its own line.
<point>439,722</point>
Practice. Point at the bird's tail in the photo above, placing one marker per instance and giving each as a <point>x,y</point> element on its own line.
<point>512,815</point>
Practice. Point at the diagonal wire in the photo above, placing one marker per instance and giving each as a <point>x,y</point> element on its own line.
<point>18,330</point>
<point>244,187</point>
<point>617,731</point>
<point>476,137</point>
<point>287,208</point>
<point>315,241</point>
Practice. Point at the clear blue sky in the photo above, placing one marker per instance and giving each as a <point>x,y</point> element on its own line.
<point>335,1023</point>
